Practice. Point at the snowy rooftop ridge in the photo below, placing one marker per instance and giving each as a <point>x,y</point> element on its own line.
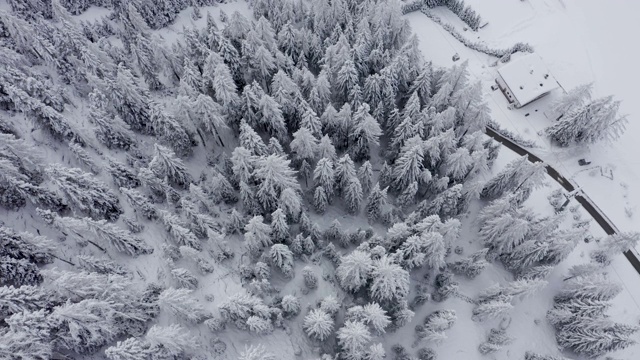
<point>528,78</point>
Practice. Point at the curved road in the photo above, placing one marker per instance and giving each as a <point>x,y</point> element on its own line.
<point>582,198</point>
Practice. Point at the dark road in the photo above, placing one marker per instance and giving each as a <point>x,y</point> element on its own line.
<point>582,198</point>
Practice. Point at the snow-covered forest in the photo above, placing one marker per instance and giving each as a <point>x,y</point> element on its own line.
<point>274,179</point>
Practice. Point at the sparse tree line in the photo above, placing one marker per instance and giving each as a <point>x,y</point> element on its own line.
<point>304,109</point>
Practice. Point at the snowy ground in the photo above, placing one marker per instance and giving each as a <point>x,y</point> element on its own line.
<point>580,41</point>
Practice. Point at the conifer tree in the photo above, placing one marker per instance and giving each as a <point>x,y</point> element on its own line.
<point>318,324</point>
<point>85,192</point>
<point>320,200</point>
<point>353,195</point>
<point>180,303</point>
<point>243,164</point>
<point>304,146</point>
<point>274,176</point>
<point>519,174</point>
<point>344,171</point>
<point>597,120</point>
<point>365,175</point>
<point>365,133</point>
<point>291,202</point>
<point>282,257</point>
<point>324,176</point>
<point>166,164</point>
<point>354,270</point>
<point>178,230</point>
<point>376,201</point>
<point>326,149</point>
<point>210,116</point>
<point>573,99</point>
<point>279,225</point>
<point>408,196</point>
<point>129,349</point>
<point>251,141</point>
<point>123,176</point>
<point>257,233</point>
<point>311,121</point>
<point>353,337</point>
<point>389,280</point>
<point>408,168</point>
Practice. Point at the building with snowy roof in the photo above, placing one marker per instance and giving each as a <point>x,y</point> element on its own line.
<point>525,79</point>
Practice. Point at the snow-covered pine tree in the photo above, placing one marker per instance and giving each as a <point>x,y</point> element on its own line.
<point>353,195</point>
<point>101,266</point>
<point>274,175</point>
<point>304,146</point>
<point>491,309</point>
<point>409,165</point>
<point>594,286</point>
<point>389,281</point>
<point>129,349</point>
<point>320,199</point>
<point>615,244</point>
<point>504,232</point>
<point>184,278</point>
<point>273,118</point>
<point>436,324</point>
<point>375,316</point>
<point>178,230</point>
<point>354,270</point>
<point>180,303</point>
<point>365,175</point>
<point>471,266</point>
<point>210,116</point>
<point>324,176</point>
<point>170,341</point>
<point>365,133</point>
<point>219,189</point>
<point>375,202</point>
<point>257,233</point>
<point>573,99</point>
<point>290,305</point>
<point>310,278</point>
<point>408,196</point>
<point>123,176</point>
<point>83,157</point>
<point>165,164</point>
<point>518,175</point>
<point>256,352</point>
<point>251,141</point>
<point>124,241</point>
<point>243,164</point>
<point>279,225</point>
<point>23,298</point>
<point>318,324</point>
<point>291,202</point>
<point>85,192</point>
<point>597,120</point>
<point>282,258</point>
<point>353,337</point>
<point>345,170</point>
<point>458,164</point>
